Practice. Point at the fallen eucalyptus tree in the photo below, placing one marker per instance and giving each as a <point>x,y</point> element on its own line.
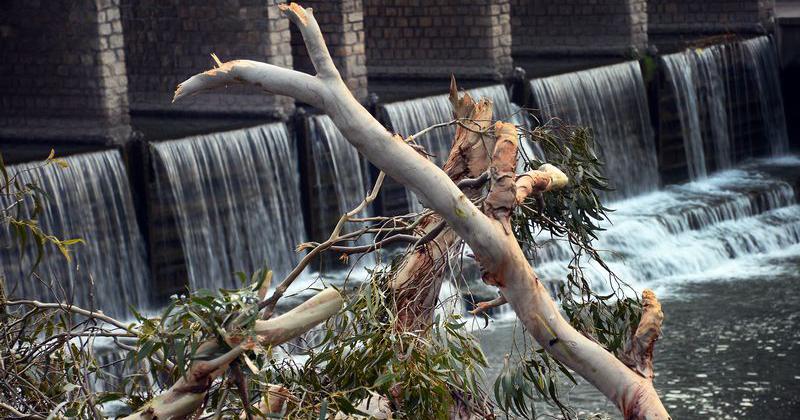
<point>382,355</point>
<point>488,231</point>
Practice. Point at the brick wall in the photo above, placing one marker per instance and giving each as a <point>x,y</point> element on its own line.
<point>415,38</point>
<point>168,41</point>
<point>674,23</point>
<point>342,24</point>
<point>576,30</point>
<point>63,71</point>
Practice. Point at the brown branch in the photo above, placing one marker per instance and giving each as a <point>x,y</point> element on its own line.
<point>485,306</point>
<point>268,305</point>
<point>501,201</point>
<point>638,353</point>
<point>417,284</point>
<point>544,179</point>
<point>71,308</point>
<point>18,414</point>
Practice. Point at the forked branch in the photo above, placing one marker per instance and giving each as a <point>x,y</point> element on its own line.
<point>188,394</point>
<point>488,234</point>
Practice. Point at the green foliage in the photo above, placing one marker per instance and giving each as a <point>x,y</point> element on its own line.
<point>25,203</point>
<point>528,379</point>
<point>175,337</point>
<point>426,373</point>
<point>572,212</point>
<point>45,365</point>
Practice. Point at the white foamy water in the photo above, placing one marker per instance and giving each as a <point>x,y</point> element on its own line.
<point>698,230</point>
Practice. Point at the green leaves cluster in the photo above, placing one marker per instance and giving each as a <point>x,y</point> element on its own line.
<point>424,374</point>
<point>526,380</point>
<point>573,212</point>
<point>193,319</point>
<point>45,367</point>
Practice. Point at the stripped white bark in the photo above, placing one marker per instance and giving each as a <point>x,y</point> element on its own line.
<point>489,237</point>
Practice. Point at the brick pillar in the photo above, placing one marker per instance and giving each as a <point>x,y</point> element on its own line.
<point>554,37</point>
<point>168,41</point>
<point>413,47</point>
<point>62,73</point>
<point>674,24</point>
<point>342,24</point>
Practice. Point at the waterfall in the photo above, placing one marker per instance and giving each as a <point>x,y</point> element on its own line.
<point>763,61</point>
<point>340,175</point>
<point>412,116</point>
<point>338,165</point>
<point>235,198</point>
<point>611,101</point>
<point>89,199</point>
<point>688,230</point>
<point>713,89</point>
<point>685,89</point>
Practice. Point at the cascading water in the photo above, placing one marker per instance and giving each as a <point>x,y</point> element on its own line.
<point>337,163</point>
<point>691,229</point>
<point>713,88</point>
<point>341,177</point>
<point>235,198</point>
<point>412,116</point>
<point>611,101</point>
<point>763,61</point>
<point>89,199</point>
<point>683,84</point>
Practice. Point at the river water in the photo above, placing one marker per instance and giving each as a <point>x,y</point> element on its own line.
<point>732,321</point>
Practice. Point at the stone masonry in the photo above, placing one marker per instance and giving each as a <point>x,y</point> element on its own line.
<point>168,41</point>
<point>62,72</point>
<point>415,39</point>
<point>674,23</point>
<point>73,70</point>
<point>552,37</point>
<point>342,23</point>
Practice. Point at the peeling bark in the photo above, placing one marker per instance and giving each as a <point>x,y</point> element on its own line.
<point>417,283</point>
<point>638,353</point>
<point>532,183</point>
<point>488,234</point>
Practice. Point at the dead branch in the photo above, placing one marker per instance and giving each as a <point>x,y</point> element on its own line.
<point>187,395</point>
<point>488,234</point>
<point>481,307</point>
<point>535,182</point>
<point>638,353</point>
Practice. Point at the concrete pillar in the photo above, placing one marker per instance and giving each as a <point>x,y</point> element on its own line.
<point>673,24</point>
<point>552,37</point>
<point>414,46</point>
<point>168,41</point>
<point>62,73</point>
<point>788,35</point>
<point>342,24</point>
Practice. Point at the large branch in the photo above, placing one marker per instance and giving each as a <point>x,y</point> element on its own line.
<point>417,283</point>
<point>490,238</point>
<point>188,394</point>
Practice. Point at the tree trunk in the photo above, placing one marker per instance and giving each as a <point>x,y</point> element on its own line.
<point>417,283</point>
<point>488,234</point>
